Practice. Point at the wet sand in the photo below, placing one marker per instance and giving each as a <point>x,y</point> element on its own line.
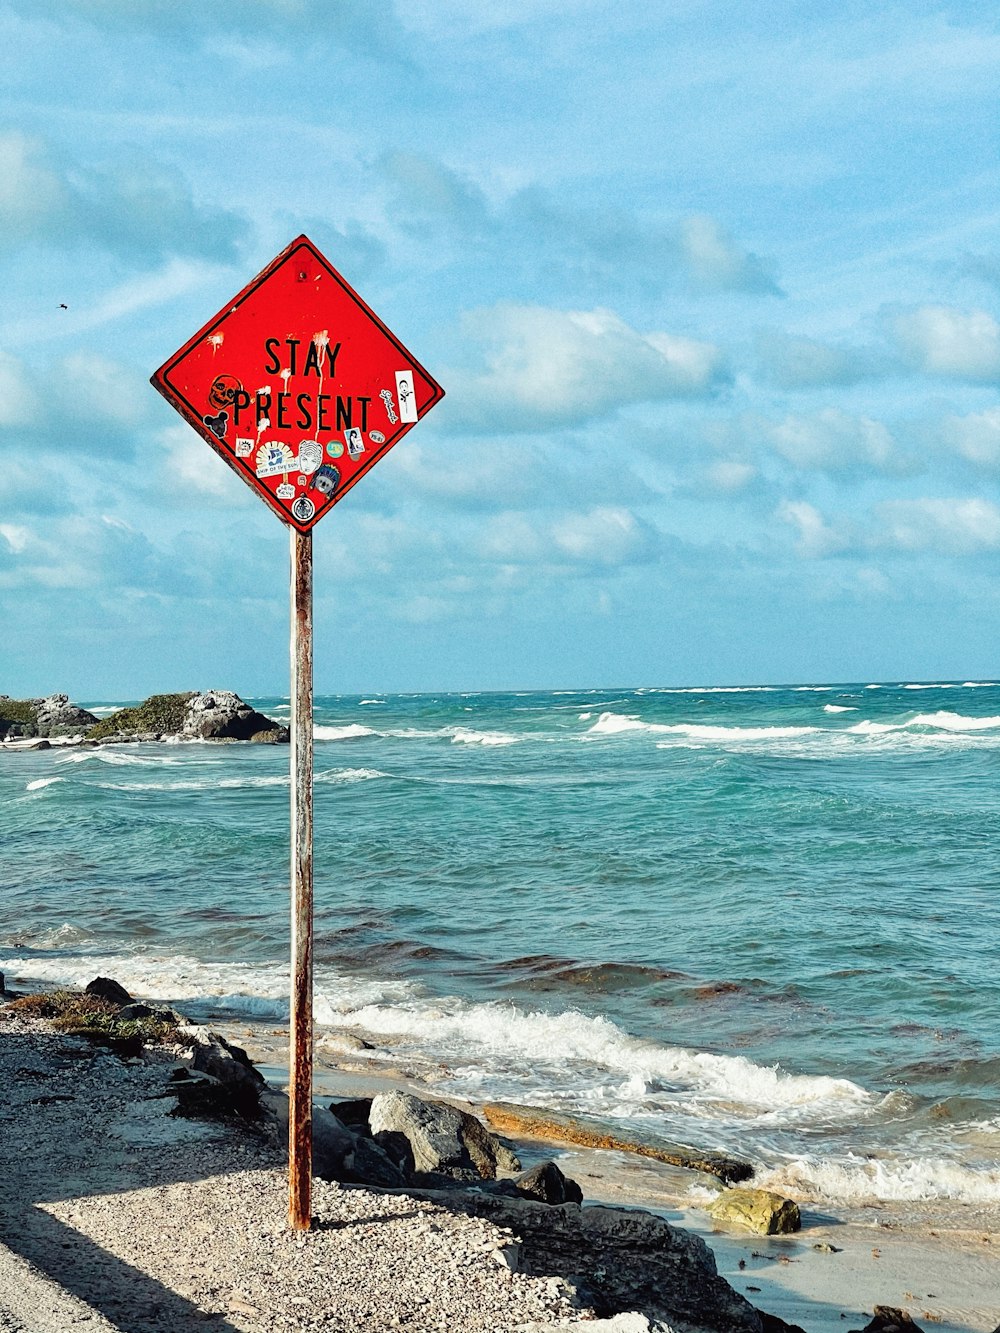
<point>829,1276</point>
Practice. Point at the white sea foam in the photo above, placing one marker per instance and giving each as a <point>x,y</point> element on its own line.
<point>132,757</point>
<point>718,689</point>
<point>855,1179</point>
<point>468,736</point>
<point>954,722</point>
<point>838,708</point>
<point>39,783</point>
<point>195,784</point>
<point>347,775</point>
<point>59,937</point>
<point>870,728</point>
<point>499,1045</point>
<point>363,702</point>
<point>259,990</point>
<point>707,733</point>
<point>610,724</point>
<point>509,1044</point>
<point>349,732</point>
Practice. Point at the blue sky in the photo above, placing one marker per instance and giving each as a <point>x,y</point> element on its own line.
<point>713,290</point>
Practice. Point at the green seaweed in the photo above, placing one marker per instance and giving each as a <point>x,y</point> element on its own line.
<point>82,1015</point>
<point>20,714</point>
<point>160,713</point>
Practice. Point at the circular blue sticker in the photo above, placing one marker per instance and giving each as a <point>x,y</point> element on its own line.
<point>334,448</point>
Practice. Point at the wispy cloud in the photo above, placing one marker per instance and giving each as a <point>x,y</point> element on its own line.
<point>955,344</point>
<point>136,209</point>
<point>555,368</point>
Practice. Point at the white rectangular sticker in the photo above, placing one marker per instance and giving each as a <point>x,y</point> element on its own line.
<point>407,398</point>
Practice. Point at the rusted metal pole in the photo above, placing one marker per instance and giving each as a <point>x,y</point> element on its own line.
<point>301,1026</point>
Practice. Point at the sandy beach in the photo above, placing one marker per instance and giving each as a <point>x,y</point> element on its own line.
<point>116,1215</point>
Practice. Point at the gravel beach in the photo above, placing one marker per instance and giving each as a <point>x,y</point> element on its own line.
<point>162,1225</point>
<point>117,1215</point>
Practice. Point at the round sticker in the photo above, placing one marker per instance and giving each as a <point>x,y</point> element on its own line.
<point>303,509</point>
<point>376,437</point>
<point>334,448</point>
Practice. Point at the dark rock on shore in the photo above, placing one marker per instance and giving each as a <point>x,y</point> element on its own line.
<point>433,1138</point>
<point>219,1078</point>
<point>888,1319</point>
<point>547,1184</point>
<point>354,1112</point>
<point>340,1153</point>
<point>105,988</point>
<point>53,715</point>
<point>622,1259</point>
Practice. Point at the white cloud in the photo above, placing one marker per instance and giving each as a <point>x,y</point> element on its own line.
<point>835,441</point>
<point>713,258</point>
<point>950,526</point>
<point>816,537</point>
<point>730,475</point>
<point>975,437</point>
<point>553,367</point>
<point>605,535</point>
<point>16,537</point>
<point>940,340</point>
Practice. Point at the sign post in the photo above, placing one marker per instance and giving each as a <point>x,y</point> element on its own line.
<point>299,386</point>
<point>301,1019</point>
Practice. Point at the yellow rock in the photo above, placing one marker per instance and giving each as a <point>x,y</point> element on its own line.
<point>759,1211</point>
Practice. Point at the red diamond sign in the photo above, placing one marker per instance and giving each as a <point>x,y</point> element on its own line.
<point>298,385</point>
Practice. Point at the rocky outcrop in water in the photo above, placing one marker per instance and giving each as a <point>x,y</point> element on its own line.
<point>53,715</point>
<point>211,715</point>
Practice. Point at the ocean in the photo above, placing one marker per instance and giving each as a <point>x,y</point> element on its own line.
<point>756,920</point>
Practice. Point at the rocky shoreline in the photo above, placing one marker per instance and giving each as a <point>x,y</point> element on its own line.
<point>210,715</point>
<point>144,1166</point>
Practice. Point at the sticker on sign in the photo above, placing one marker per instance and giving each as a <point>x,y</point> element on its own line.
<point>330,370</point>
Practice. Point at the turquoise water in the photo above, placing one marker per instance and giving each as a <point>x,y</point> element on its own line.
<point>761,920</point>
